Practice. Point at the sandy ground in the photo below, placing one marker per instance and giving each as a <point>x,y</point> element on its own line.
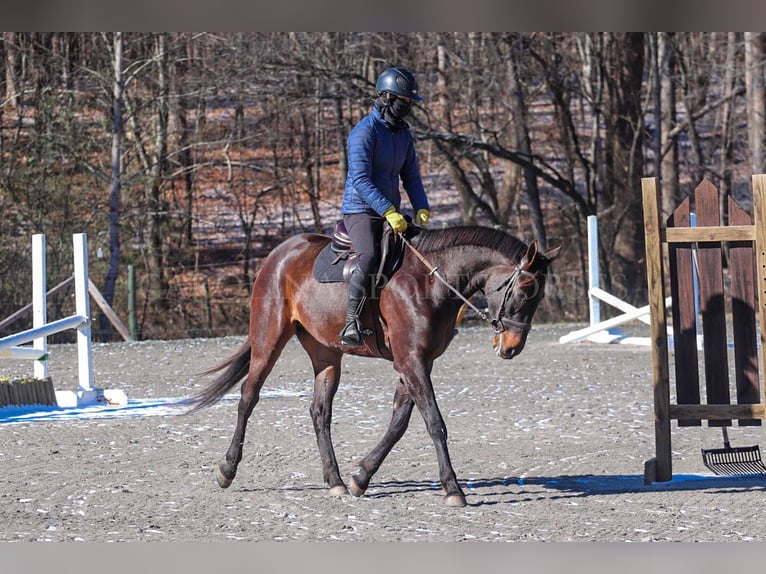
<point>549,446</point>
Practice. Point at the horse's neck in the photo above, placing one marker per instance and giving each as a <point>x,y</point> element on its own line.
<point>464,267</point>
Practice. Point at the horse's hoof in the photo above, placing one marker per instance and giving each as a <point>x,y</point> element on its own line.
<point>339,490</point>
<point>222,481</point>
<point>456,500</point>
<point>356,490</point>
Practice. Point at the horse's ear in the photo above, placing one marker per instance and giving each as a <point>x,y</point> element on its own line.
<point>553,253</point>
<point>530,255</point>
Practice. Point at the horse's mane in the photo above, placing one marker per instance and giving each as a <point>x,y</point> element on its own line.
<point>437,239</point>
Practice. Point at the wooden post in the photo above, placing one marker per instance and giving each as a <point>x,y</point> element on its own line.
<point>661,469</point>
<point>759,220</point>
<point>114,319</point>
<point>208,307</point>
<point>132,323</point>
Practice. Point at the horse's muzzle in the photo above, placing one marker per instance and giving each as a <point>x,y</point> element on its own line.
<point>508,343</point>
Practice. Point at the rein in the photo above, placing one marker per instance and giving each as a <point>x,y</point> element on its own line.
<point>498,324</point>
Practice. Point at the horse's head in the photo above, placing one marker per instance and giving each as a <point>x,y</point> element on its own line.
<point>513,295</point>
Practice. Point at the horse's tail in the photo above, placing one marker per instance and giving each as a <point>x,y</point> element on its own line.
<point>236,367</point>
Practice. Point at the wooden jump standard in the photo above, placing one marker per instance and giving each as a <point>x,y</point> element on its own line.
<point>746,240</point>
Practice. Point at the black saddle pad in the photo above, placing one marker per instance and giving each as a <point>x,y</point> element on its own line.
<point>328,267</point>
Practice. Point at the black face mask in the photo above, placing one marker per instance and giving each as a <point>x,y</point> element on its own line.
<point>400,108</point>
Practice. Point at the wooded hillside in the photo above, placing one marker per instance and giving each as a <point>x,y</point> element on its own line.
<point>190,155</point>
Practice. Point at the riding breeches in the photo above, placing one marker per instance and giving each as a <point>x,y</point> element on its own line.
<point>365,230</point>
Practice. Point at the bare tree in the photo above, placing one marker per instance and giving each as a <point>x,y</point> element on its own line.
<point>668,149</point>
<point>756,100</point>
<point>11,83</point>
<point>115,186</point>
<point>624,134</point>
<point>523,139</point>
<point>727,125</point>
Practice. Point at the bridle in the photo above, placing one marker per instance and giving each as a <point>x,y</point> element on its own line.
<point>500,322</point>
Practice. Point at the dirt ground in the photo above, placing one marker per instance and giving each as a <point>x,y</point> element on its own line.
<point>549,446</point>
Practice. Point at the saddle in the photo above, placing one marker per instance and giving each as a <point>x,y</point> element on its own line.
<point>337,260</point>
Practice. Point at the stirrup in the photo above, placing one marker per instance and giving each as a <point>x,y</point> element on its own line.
<point>347,340</point>
<point>354,342</point>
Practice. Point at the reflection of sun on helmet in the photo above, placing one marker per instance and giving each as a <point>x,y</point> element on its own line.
<point>398,81</point>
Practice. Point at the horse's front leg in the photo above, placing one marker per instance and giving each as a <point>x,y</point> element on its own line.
<point>326,363</point>
<point>263,355</point>
<point>399,421</point>
<point>417,380</point>
<point>325,386</point>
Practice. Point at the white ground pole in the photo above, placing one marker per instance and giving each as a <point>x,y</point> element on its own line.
<point>86,393</point>
<point>604,331</point>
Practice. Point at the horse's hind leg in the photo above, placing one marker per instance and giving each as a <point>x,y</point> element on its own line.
<point>399,421</point>
<point>262,359</point>
<point>326,363</point>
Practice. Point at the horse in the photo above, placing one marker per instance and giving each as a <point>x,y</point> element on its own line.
<point>410,321</point>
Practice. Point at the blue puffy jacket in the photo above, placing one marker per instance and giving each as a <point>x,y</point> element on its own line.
<point>377,157</point>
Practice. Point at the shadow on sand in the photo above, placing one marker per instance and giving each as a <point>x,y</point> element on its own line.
<point>517,489</point>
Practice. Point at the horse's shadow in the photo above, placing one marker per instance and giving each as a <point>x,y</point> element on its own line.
<point>516,489</point>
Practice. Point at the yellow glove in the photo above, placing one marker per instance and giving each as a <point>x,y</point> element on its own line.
<point>422,217</point>
<point>395,219</point>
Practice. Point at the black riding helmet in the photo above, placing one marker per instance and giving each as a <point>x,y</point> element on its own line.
<point>398,81</point>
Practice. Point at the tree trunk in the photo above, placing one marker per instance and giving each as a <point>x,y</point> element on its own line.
<point>307,160</point>
<point>625,123</point>
<point>156,208</point>
<point>467,206</point>
<point>525,143</point>
<point>342,135</point>
<point>115,187</point>
<point>11,87</point>
<point>185,156</point>
<point>669,161</point>
<point>756,99</point>
<point>729,82</point>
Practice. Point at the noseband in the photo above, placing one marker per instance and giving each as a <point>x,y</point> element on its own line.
<point>500,322</point>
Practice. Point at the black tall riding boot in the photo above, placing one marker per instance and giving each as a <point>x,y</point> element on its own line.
<point>351,335</point>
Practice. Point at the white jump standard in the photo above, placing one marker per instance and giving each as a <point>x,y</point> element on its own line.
<point>86,393</point>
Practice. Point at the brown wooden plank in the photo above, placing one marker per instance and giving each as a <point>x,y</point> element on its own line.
<point>712,303</point>
<point>742,292</point>
<point>663,465</point>
<point>684,315</point>
<point>108,311</point>
<point>718,412</point>
<point>715,233</point>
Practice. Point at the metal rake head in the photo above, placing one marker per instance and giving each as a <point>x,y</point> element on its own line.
<point>734,460</point>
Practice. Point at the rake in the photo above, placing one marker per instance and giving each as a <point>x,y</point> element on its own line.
<point>733,460</point>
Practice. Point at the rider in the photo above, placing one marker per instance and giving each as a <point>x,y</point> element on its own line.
<point>380,152</point>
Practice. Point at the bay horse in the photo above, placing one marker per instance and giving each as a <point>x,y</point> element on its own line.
<point>412,319</point>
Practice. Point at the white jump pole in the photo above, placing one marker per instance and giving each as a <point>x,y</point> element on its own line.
<point>39,303</point>
<point>82,308</point>
<point>46,330</point>
<point>593,274</point>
